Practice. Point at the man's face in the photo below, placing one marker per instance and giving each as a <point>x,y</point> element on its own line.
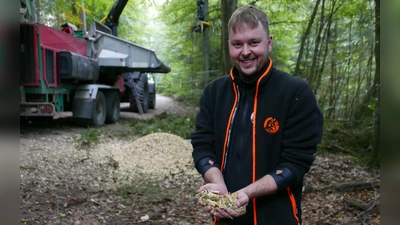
<point>249,49</point>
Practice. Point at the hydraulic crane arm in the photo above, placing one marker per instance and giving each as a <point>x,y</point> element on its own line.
<point>199,24</point>
<point>115,55</point>
<point>112,18</point>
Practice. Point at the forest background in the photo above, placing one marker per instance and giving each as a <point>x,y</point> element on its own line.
<point>333,44</point>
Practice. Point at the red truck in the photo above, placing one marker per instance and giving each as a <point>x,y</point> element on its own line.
<point>89,74</point>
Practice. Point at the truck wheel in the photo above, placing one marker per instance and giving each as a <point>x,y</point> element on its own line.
<point>98,110</point>
<point>152,95</point>
<point>113,106</point>
<point>143,94</point>
<point>152,101</point>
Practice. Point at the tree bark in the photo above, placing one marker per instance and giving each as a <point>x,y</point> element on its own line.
<point>304,38</point>
<point>36,10</point>
<point>377,84</point>
<point>227,8</point>
<point>333,84</point>
<point>207,46</point>
<point>315,60</point>
<point>326,42</point>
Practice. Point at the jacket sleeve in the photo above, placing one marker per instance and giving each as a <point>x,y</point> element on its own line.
<point>302,132</point>
<point>203,138</point>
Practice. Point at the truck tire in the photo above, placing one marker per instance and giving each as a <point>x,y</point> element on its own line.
<point>152,101</point>
<point>152,96</point>
<point>99,111</point>
<point>143,94</point>
<point>113,106</point>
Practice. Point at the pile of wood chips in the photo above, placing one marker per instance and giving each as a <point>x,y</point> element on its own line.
<point>217,201</point>
<point>157,154</point>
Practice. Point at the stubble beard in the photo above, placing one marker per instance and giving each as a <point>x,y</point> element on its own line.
<point>250,73</point>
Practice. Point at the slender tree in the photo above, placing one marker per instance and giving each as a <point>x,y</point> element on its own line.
<point>227,8</point>
<point>376,141</point>
<point>315,60</point>
<point>207,46</point>
<point>304,39</point>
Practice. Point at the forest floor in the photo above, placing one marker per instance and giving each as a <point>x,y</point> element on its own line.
<point>150,180</point>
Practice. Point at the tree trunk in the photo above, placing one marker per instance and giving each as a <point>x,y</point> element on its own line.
<point>315,60</point>
<point>36,10</point>
<point>304,38</point>
<point>376,140</point>
<point>206,47</point>
<point>227,8</point>
<point>326,51</point>
<point>332,87</point>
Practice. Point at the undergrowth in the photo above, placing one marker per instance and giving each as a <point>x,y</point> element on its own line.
<point>89,137</point>
<point>174,124</point>
<point>352,139</point>
<point>180,125</point>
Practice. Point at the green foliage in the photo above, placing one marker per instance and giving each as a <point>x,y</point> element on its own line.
<point>186,56</point>
<point>181,125</point>
<point>27,167</point>
<point>88,138</point>
<point>366,110</point>
<point>147,190</point>
<point>134,20</point>
<point>286,24</point>
<point>350,138</point>
<point>192,98</point>
<point>173,124</point>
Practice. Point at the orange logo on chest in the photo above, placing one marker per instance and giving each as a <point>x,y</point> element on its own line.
<point>271,125</point>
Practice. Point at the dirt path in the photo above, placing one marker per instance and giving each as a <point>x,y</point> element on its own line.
<point>163,104</point>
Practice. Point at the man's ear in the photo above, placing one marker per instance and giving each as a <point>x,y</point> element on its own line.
<point>270,44</point>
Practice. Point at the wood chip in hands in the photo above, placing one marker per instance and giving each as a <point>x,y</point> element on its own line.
<point>216,201</point>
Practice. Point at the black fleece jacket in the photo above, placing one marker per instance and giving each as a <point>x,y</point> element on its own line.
<point>286,128</point>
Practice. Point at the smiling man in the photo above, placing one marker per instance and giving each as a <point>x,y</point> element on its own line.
<point>257,130</point>
<point>249,44</point>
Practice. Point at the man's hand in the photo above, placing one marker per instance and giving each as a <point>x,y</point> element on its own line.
<point>242,201</point>
<point>221,188</point>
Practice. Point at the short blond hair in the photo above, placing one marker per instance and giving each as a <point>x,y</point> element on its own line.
<point>248,15</point>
